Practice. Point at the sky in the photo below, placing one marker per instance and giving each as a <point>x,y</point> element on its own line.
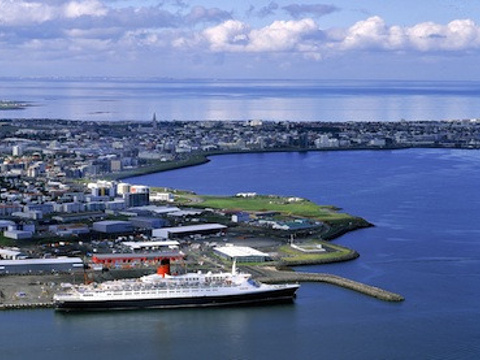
<point>280,39</point>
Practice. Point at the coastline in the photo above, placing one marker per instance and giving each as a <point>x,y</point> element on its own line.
<point>23,292</point>
<point>334,229</point>
<point>203,158</point>
<point>45,300</point>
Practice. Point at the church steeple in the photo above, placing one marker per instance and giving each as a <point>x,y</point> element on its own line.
<point>154,121</point>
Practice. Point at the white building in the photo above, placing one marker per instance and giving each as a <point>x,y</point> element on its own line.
<point>7,224</point>
<point>246,194</point>
<point>11,254</point>
<point>123,188</point>
<point>34,215</point>
<point>168,233</point>
<point>241,253</point>
<point>241,217</point>
<point>17,234</point>
<point>17,150</point>
<point>168,197</point>
<point>152,245</point>
<point>103,188</point>
<point>377,142</point>
<point>71,207</point>
<point>324,141</point>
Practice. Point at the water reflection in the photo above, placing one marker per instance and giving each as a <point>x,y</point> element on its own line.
<point>114,100</point>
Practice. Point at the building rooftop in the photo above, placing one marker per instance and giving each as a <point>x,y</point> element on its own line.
<point>193,228</point>
<point>135,245</point>
<point>239,251</point>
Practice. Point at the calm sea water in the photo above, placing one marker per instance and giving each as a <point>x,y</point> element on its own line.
<point>425,205</point>
<point>294,100</point>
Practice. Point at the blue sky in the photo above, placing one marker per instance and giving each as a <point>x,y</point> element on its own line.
<point>369,39</point>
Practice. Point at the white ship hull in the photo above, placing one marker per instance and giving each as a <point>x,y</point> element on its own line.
<point>172,299</point>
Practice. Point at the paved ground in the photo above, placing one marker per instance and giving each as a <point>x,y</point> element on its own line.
<point>28,289</point>
<point>33,289</point>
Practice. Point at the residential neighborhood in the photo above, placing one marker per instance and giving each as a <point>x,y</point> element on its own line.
<point>61,149</point>
<point>61,187</point>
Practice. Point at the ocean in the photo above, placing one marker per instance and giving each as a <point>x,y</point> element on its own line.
<point>113,99</point>
<point>425,205</point>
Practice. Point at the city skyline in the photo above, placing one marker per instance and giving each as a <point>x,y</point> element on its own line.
<point>339,39</point>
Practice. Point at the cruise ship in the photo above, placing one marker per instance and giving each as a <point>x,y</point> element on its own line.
<point>162,291</point>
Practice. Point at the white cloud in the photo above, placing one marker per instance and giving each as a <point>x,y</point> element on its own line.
<point>305,38</point>
<point>373,33</point>
<point>281,36</point>
<point>455,36</point>
<point>228,36</point>
<point>14,12</point>
<point>75,9</point>
<point>236,36</point>
<point>97,29</point>
<point>23,12</point>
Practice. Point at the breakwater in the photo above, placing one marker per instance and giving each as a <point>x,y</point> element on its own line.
<point>270,275</point>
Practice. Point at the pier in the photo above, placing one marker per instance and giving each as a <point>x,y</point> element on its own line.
<point>272,276</point>
<point>17,306</point>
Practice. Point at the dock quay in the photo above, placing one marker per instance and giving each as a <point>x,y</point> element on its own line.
<point>36,291</point>
<point>272,275</point>
<point>47,305</point>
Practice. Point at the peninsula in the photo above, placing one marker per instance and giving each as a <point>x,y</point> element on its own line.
<point>12,105</point>
<point>61,194</point>
<point>122,149</point>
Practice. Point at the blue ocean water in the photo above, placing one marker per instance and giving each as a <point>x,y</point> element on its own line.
<point>113,99</point>
<point>425,205</point>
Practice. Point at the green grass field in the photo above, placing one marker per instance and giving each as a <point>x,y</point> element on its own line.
<point>335,253</point>
<point>302,208</point>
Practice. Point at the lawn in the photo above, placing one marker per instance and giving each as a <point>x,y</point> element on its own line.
<point>334,253</point>
<point>284,205</point>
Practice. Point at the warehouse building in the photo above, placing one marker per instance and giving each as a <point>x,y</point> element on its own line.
<point>18,234</point>
<point>69,229</point>
<point>152,210</point>
<point>182,231</point>
<point>147,222</point>
<point>185,213</point>
<point>135,259</point>
<point>113,227</point>
<point>29,266</point>
<point>79,217</point>
<point>152,245</point>
<point>241,254</point>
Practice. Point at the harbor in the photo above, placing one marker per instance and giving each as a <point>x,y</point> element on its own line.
<point>36,291</point>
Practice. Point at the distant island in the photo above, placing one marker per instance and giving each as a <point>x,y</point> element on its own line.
<point>12,105</point>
